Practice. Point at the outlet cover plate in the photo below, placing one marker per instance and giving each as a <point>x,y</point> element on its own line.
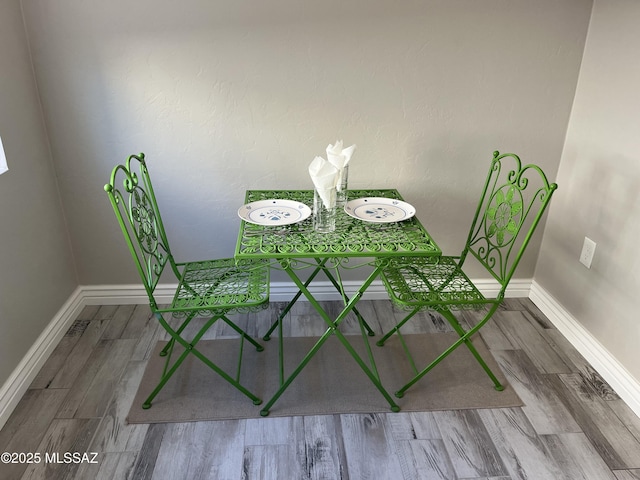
<point>588,249</point>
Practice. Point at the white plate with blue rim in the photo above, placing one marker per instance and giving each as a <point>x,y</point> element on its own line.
<point>379,209</point>
<point>274,212</point>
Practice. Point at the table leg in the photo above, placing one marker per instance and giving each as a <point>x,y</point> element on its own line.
<point>345,299</point>
<point>331,330</point>
<point>338,285</point>
<point>318,269</point>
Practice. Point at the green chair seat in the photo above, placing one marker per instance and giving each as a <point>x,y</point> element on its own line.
<point>213,285</point>
<point>436,281</point>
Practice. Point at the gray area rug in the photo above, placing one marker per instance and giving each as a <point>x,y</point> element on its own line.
<point>332,382</point>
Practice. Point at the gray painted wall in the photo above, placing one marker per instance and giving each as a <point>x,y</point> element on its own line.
<point>225,96</point>
<point>600,188</point>
<point>36,269</point>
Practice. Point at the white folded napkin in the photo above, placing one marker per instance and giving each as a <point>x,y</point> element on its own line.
<point>339,157</point>
<point>325,178</point>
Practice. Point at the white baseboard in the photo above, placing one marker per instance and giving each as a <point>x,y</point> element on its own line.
<point>18,382</point>
<point>279,291</point>
<point>614,373</point>
<point>127,294</point>
<point>284,291</point>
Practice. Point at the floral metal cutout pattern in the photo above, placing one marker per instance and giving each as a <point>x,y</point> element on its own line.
<point>512,195</point>
<point>144,220</point>
<point>134,203</point>
<point>435,281</point>
<point>351,238</point>
<point>503,218</point>
<point>217,285</point>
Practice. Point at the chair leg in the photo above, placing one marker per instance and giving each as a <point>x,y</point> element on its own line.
<point>169,346</point>
<point>395,329</point>
<point>460,331</point>
<point>320,268</point>
<point>164,379</point>
<point>345,300</point>
<point>244,334</point>
<point>190,348</point>
<point>464,338</point>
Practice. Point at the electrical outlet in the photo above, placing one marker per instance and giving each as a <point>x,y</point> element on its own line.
<point>588,249</point>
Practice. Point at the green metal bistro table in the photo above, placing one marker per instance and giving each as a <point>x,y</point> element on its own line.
<point>296,248</point>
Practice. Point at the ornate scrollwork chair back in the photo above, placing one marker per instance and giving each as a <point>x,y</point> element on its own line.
<point>134,201</point>
<point>513,202</point>
<point>211,288</point>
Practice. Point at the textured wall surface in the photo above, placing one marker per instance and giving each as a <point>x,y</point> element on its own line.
<point>600,198</point>
<point>225,96</point>
<point>36,269</point>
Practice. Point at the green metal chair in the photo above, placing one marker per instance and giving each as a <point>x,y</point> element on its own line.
<point>512,203</point>
<point>211,288</point>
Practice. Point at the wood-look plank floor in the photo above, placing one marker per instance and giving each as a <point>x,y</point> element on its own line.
<point>573,425</point>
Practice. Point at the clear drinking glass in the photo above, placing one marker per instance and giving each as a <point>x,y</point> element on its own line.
<point>324,219</point>
<point>341,199</point>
